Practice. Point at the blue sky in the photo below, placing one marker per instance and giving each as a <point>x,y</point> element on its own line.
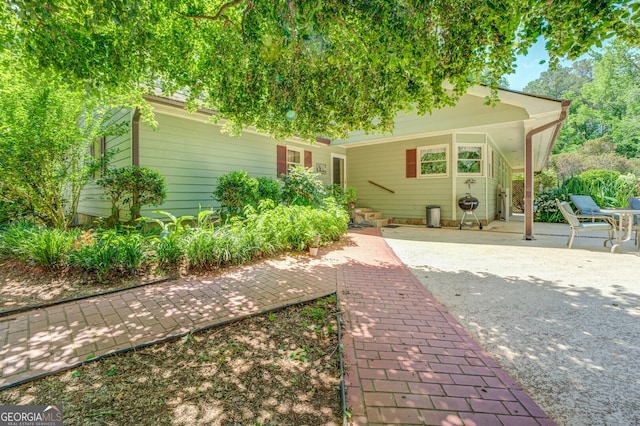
<point>529,67</point>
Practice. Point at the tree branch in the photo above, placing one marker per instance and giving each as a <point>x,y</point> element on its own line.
<point>218,15</point>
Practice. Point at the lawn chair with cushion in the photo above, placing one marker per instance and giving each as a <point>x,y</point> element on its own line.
<point>601,223</point>
<point>587,208</point>
<point>634,203</point>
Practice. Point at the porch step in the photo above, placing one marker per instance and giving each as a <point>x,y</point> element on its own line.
<point>365,215</point>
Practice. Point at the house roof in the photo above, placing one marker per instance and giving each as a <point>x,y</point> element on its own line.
<point>507,124</point>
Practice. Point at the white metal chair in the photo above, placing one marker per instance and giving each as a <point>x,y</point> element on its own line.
<point>601,223</point>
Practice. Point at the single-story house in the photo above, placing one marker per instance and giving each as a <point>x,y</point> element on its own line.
<point>428,160</point>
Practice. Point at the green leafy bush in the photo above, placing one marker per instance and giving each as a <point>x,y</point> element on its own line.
<point>133,187</point>
<point>236,190</point>
<point>296,227</point>
<point>607,188</point>
<point>14,210</point>
<point>301,187</point>
<point>41,246</point>
<point>342,196</point>
<point>13,237</point>
<point>111,252</point>
<point>268,189</point>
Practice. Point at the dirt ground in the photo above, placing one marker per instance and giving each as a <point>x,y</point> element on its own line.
<point>278,368</point>
<point>22,285</point>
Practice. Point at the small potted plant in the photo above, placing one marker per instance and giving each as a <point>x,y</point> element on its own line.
<point>314,245</point>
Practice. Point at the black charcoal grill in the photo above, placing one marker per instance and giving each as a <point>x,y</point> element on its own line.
<point>468,204</point>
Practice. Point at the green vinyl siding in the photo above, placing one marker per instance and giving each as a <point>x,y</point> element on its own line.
<point>92,202</point>
<point>191,154</point>
<point>384,164</point>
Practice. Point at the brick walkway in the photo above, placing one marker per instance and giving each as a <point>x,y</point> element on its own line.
<point>41,341</point>
<point>408,360</point>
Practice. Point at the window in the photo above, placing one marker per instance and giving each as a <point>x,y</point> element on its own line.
<point>470,159</point>
<point>295,157</point>
<point>287,157</point>
<point>432,161</point>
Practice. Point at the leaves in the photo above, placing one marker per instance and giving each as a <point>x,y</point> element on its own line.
<point>326,67</point>
<point>46,127</point>
<point>606,102</point>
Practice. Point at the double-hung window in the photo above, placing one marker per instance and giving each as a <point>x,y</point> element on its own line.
<point>470,159</point>
<point>433,161</point>
<point>295,157</point>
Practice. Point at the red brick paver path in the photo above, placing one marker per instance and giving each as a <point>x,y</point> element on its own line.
<point>42,341</point>
<point>408,361</point>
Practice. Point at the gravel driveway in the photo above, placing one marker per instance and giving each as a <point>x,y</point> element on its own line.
<point>564,323</point>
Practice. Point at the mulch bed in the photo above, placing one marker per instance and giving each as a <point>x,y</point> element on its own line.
<point>22,285</point>
<point>278,368</point>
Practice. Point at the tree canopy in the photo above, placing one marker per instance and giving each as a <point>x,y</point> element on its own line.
<point>605,90</point>
<point>306,68</point>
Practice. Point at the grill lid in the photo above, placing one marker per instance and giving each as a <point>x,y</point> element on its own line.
<point>468,202</point>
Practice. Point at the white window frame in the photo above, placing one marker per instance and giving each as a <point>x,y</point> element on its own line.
<point>299,150</point>
<point>481,160</point>
<point>419,161</point>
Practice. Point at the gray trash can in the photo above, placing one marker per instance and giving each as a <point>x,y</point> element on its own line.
<point>433,216</point>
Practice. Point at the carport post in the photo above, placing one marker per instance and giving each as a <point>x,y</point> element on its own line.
<point>528,165</point>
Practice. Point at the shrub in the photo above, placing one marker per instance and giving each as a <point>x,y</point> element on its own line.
<point>134,187</point>
<point>236,190</point>
<point>169,250</point>
<point>41,246</point>
<point>268,189</point>
<point>131,251</point>
<point>341,195</point>
<point>301,187</point>
<point>14,210</point>
<point>14,237</point>
<point>295,227</point>
<point>607,188</point>
<point>111,252</point>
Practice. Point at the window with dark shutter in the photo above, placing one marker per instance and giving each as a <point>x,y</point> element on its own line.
<point>308,162</point>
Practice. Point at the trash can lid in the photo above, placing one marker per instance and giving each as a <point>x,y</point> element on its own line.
<point>431,207</point>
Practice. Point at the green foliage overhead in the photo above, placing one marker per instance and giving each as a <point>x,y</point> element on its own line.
<point>309,68</point>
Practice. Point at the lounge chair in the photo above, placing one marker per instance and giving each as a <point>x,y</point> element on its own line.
<point>587,208</point>
<point>634,203</point>
<point>601,223</point>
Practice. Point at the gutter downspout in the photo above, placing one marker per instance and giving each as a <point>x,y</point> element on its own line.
<point>528,165</point>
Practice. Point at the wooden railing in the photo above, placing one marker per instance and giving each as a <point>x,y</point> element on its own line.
<point>382,187</point>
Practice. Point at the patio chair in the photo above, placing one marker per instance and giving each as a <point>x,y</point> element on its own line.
<point>634,203</point>
<point>601,223</point>
<point>587,208</point>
